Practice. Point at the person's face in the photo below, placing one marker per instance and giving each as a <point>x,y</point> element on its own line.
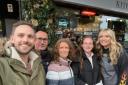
<point>41,42</point>
<point>23,39</point>
<point>105,40</point>
<point>87,45</point>
<point>63,50</point>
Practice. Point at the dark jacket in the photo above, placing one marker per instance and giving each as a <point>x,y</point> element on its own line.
<point>122,65</point>
<point>86,75</point>
<point>124,77</point>
<point>46,57</point>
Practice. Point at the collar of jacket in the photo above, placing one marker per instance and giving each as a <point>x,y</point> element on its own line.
<point>14,55</point>
<point>64,62</point>
<point>85,56</point>
<point>19,66</point>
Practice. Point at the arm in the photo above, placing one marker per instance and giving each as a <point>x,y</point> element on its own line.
<point>100,79</point>
<point>2,72</point>
<point>122,61</point>
<point>76,70</point>
<point>1,81</point>
<point>100,83</point>
<point>122,64</point>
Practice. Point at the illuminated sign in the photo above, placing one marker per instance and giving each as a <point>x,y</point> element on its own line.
<point>88,13</point>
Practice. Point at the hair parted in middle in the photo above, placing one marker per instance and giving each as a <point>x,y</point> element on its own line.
<point>115,47</point>
<point>56,48</point>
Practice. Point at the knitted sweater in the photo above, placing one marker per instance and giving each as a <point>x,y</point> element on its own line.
<point>60,73</point>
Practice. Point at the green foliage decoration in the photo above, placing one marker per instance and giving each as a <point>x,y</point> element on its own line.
<point>39,12</point>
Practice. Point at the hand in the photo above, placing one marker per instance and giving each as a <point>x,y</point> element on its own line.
<point>100,83</point>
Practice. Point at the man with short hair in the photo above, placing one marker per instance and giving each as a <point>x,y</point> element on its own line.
<point>21,66</point>
<point>41,46</point>
<point>41,42</point>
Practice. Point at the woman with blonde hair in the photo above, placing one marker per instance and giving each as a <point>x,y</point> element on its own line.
<point>114,58</point>
<point>59,70</point>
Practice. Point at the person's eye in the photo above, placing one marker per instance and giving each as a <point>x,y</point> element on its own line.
<point>20,35</point>
<point>30,36</point>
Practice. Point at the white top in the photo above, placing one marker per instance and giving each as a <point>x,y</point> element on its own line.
<point>90,58</point>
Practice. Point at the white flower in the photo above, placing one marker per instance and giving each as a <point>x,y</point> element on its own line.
<point>34,22</point>
<point>36,5</point>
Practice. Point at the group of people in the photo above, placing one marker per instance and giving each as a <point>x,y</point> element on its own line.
<point>29,61</point>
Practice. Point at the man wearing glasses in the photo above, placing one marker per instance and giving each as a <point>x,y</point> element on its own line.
<point>41,46</point>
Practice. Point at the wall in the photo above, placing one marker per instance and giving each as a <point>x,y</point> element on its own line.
<point>8,24</point>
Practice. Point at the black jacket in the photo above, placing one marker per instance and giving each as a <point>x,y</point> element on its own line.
<point>122,65</point>
<point>87,74</point>
<point>46,57</point>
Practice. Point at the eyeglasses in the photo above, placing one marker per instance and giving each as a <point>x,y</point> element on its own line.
<point>42,39</point>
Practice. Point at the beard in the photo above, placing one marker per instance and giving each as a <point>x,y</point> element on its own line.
<point>23,53</point>
<point>21,50</point>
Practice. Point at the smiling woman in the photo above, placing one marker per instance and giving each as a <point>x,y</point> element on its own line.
<point>86,68</point>
<point>113,57</point>
<point>59,70</point>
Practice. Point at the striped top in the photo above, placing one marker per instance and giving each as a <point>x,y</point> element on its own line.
<point>60,73</point>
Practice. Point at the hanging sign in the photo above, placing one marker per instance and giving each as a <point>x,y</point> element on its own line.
<point>10,7</point>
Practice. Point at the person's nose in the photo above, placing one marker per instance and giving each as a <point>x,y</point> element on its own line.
<point>25,39</point>
<point>65,49</point>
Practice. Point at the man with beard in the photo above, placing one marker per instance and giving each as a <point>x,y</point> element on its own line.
<point>21,65</point>
<point>41,46</point>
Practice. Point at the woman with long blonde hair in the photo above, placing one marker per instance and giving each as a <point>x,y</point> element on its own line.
<point>114,58</point>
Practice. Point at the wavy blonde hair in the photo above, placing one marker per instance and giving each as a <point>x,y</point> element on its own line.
<point>115,47</point>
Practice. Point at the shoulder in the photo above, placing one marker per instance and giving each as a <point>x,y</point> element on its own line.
<point>50,49</point>
<point>53,63</point>
<point>3,64</point>
<point>123,58</point>
<point>123,54</point>
<point>53,66</point>
<point>95,57</point>
<point>75,65</point>
<point>123,50</point>
<point>3,60</point>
